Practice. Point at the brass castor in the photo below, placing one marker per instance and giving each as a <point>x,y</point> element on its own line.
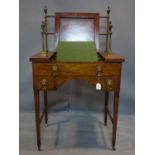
<point>38,145</point>
<point>113,148</point>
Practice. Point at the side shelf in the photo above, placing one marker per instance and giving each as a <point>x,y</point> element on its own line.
<point>38,58</point>
<point>113,57</point>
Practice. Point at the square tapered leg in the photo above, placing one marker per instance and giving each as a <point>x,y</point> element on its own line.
<point>37,117</point>
<point>115,118</point>
<point>45,107</point>
<point>106,107</point>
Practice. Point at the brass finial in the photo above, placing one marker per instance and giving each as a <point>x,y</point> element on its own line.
<point>108,10</point>
<point>45,9</point>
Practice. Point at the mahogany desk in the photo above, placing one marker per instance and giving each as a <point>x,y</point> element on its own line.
<point>49,74</point>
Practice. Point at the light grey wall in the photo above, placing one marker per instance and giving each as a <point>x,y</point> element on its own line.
<point>122,42</point>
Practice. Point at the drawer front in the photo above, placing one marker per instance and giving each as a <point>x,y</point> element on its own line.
<point>48,83</point>
<point>76,69</point>
<point>110,83</point>
<point>44,83</point>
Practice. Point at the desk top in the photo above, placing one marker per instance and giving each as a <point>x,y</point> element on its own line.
<point>112,58</point>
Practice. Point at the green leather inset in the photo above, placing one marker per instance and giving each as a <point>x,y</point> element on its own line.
<point>76,52</point>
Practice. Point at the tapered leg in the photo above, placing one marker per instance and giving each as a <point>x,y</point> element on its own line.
<point>45,106</point>
<point>115,118</point>
<point>37,117</point>
<point>105,107</point>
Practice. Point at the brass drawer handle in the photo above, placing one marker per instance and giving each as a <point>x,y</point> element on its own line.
<point>54,70</point>
<point>99,71</point>
<point>44,83</point>
<point>110,84</point>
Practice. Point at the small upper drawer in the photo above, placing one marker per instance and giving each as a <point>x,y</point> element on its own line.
<point>43,69</point>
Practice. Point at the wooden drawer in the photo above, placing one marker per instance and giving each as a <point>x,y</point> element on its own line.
<point>44,83</point>
<point>110,83</point>
<point>49,83</point>
<point>75,69</point>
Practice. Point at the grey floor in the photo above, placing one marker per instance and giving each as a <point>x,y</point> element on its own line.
<point>78,129</point>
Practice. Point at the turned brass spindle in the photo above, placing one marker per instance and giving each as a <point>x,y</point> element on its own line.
<point>107,33</point>
<point>110,33</point>
<point>46,39</point>
<point>42,29</point>
<point>43,52</point>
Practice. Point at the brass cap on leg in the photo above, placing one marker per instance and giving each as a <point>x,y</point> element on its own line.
<point>43,53</point>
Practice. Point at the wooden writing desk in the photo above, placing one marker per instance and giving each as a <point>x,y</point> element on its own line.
<point>49,74</point>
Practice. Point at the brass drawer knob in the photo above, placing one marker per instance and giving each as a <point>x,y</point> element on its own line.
<point>54,70</point>
<point>99,71</point>
<point>44,83</point>
<point>110,84</point>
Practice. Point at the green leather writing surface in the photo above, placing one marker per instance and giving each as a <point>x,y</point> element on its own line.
<point>76,52</point>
